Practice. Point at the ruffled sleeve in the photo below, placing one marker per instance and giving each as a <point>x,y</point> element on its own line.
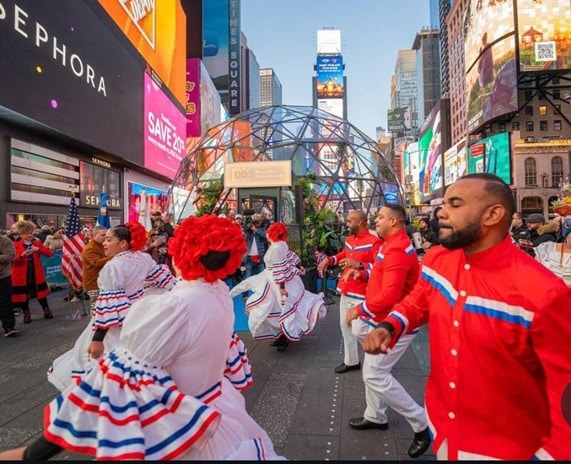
<point>160,277</point>
<point>112,303</point>
<point>238,368</point>
<point>285,267</point>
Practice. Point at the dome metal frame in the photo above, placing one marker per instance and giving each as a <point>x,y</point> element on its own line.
<point>349,169</point>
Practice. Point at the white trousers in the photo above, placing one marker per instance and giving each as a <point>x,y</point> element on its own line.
<point>382,389</point>
<point>350,341</point>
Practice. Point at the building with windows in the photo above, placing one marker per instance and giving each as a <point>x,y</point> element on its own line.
<point>270,88</point>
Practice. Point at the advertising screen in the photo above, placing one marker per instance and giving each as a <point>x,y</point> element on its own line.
<point>329,41</point>
<point>193,97</point>
<point>155,199</point>
<point>491,84</point>
<point>165,131</point>
<point>485,23</point>
<point>433,142</point>
<point>329,82</point>
<point>455,163</point>
<point>157,29</point>
<point>544,30</point>
<point>398,119</point>
<point>491,154</point>
<point>390,191</point>
<point>215,43</point>
<point>331,105</point>
<point>66,61</point>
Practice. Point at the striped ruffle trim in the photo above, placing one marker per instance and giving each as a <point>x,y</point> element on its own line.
<point>238,368</point>
<point>160,277</point>
<point>111,308</point>
<point>126,410</point>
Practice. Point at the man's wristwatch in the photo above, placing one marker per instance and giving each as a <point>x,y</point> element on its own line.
<point>361,267</point>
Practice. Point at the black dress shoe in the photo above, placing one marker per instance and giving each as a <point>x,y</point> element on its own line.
<point>283,345</point>
<point>420,444</point>
<point>342,368</point>
<point>360,423</point>
<point>277,341</point>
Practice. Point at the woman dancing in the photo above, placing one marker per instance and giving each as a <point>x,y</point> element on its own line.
<point>166,393</point>
<point>280,307</point>
<point>123,280</point>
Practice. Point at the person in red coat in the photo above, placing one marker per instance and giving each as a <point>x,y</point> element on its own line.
<point>28,279</point>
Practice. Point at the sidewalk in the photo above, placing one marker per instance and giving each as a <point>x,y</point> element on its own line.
<point>296,397</point>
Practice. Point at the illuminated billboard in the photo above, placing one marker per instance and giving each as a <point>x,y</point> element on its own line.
<point>398,119</point>
<point>165,131</point>
<point>390,192</point>
<point>544,35</point>
<point>331,105</point>
<point>329,41</point>
<point>433,141</point>
<point>215,43</point>
<point>455,163</point>
<point>491,154</point>
<point>484,24</point>
<point>61,70</point>
<point>329,82</point>
<point>158,31</point>
<point>491,84</point>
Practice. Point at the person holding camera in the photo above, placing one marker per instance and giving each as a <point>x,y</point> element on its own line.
<point>256,242</point>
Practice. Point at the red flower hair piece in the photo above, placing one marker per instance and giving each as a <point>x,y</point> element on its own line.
<point>138,235</point>
<point>197,236</point>
<point>277,232</point>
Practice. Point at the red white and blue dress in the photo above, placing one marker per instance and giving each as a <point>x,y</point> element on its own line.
<point>171,391</point>
<point>268,315</point>
<point>123,280</point>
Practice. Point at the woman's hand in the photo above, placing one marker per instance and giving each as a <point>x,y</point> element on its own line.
<point>95,349</point>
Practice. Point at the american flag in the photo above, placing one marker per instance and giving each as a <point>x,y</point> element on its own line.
<point>72,247</point>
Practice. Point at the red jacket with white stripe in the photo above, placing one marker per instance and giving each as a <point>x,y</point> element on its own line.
<point>500,345</point>
<point>393,276</point>
<point>362,248</point>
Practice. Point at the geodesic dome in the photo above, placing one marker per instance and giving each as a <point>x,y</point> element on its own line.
<point>348,168</point>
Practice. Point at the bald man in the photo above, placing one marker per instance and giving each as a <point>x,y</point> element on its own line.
<point>358,253</point>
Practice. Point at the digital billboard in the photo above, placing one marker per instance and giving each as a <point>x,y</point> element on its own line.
<point>390,192</point>
<point>398,119</point>
<point>491,154</point>
<point>491,84</point>
<point>52,73</point>
<point>165,131</point>
<point>155,200</point>
<point>329,41</point>
<point>331,105</point>
<point>329,82</point>
<point>202,100</point>
<point>544,35</point>
<point>485,23</point>
<point>215,43</point>
<point>433,141</point>
<point>157,30</point>
<point>455,163</point>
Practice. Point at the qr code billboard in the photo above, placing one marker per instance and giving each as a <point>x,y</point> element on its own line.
<point>545,51</point>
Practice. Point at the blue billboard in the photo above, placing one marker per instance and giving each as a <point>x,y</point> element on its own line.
<point>329,80</point>
<point>491,154</point>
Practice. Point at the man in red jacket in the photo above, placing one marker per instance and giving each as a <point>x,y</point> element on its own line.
<point>393,276</point>
<point>360,249</point>
<point>500,373</point>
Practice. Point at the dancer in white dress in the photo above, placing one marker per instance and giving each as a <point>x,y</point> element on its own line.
<point>168,392</point>
<point>280,307</point>
<point>557,256</point>
<point>123,280</point>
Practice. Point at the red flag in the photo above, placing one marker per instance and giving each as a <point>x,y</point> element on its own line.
<point>72,247</point>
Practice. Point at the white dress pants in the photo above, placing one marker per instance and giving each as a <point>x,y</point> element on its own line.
<point>350,341</point>
<point>382,389</point>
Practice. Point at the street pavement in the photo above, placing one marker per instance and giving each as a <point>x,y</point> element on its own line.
<point>296,396</point>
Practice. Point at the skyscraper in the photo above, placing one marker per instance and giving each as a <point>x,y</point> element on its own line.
<point>270,88</point>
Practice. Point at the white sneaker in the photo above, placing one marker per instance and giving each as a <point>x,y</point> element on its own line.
<point>74,299</point>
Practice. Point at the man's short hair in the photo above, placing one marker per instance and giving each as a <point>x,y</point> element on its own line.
<point>397,210</point>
